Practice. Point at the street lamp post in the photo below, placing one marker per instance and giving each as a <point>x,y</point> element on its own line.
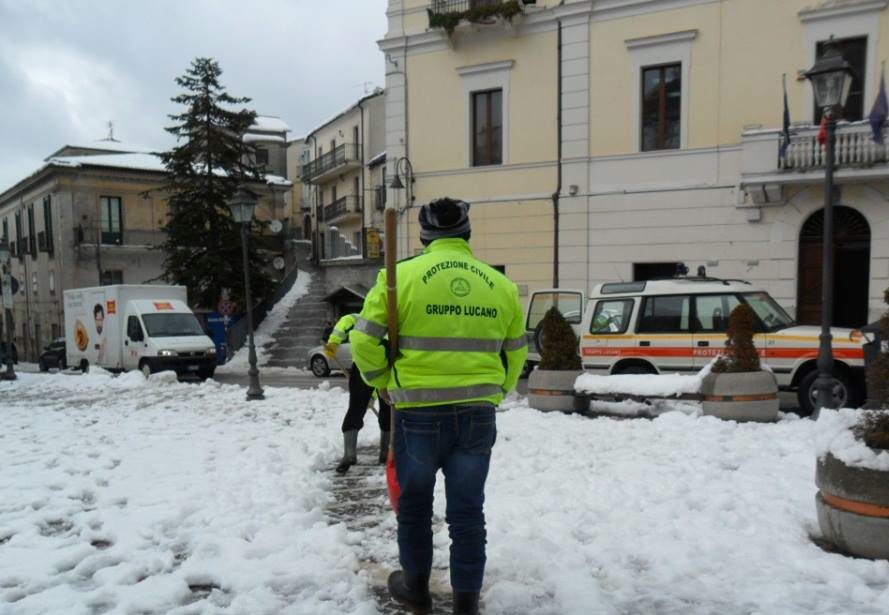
<point>403,167</point>
<point>243,204</point>
<point>6,284</point>
<point>831,79</point>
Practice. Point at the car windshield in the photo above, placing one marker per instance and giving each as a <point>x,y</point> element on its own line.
<point>769,312</point>
<point>171,325</point>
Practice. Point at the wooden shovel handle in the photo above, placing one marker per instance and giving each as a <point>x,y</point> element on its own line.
<point>391,229</point>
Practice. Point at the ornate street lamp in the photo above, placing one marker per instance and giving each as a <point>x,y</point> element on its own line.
<point>6,285</point>
<point>831,79</point>
<point>404,168</point>
<point>242,204</point>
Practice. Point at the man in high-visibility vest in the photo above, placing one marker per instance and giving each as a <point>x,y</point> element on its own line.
<point>360,394</point>
<point>461,349</point>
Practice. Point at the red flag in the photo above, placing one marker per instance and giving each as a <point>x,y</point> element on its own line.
<point>822,134</point>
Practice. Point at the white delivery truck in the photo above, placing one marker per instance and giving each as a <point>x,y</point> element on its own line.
<point>144,327</point>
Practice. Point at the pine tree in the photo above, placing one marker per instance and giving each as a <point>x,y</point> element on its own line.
<point>203,243</point>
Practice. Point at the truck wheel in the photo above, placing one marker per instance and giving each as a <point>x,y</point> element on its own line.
<point>145,368</point>
<point>42,365</point>
<point>634,369</point>
<point>84,365</point>
<point>843,393</point>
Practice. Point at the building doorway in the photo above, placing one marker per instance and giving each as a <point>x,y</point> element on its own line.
<point>851,277</point>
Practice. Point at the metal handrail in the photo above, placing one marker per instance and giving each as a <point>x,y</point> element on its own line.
<point>343,153</point>
<point>343,205</point>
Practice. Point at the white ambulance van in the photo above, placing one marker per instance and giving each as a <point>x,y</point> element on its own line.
<point>679,325</point>
<point>144,327</point>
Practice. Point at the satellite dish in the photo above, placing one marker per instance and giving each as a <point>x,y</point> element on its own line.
<point>278,262</point>
<point>275,226</point>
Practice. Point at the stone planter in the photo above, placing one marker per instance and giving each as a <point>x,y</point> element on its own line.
<point>554,390</point>
<point>741,396</point>
<point>853,507</point>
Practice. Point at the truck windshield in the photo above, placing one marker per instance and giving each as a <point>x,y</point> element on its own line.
<point>769,312</point>
<point>171,325</point>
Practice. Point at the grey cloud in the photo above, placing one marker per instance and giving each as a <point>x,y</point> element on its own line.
<point>66,68</point>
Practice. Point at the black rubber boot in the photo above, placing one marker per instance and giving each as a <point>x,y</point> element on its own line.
<point>411,589</point>
<point>465,603</point>
<point>384,446</point>
<point>350,451</point>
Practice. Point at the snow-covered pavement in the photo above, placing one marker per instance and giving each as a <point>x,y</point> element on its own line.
<point>119,495</point>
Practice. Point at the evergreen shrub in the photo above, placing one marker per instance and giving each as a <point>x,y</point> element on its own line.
<point>559,344</point>
<point>741,354</point>
<point>450,20</point>
<point>878,369</point>
<point>873,429</point>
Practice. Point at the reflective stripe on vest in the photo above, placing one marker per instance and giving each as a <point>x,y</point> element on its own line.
<point>375,374</point>
<point>449,344</point>
<point>371,328</point>
<point>515,344</point>
<point>339,333</point>
<point>423,396</point>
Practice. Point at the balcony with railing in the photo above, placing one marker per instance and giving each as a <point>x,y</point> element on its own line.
<point>857,156</point>
<point>342,209</point>
<point>342,158</point>
<point>448,14</point>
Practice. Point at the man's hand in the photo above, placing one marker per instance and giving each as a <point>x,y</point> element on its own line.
<point>330,350</point>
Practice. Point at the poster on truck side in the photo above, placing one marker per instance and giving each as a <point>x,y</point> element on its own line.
<point>91,328</point>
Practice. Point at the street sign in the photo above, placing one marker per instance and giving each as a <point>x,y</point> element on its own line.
<point>226,307</point>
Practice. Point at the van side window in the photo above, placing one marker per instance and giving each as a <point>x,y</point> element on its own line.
<point>670,314</point>
<point>713,312</point>
<point>134,329</point>
<point>612,316</point>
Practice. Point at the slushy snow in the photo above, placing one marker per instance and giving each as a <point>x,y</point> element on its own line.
<point>124,495</point>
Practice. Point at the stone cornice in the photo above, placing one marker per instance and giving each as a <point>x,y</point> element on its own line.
<point>830,10</point>
<point>485,68</point>
<point>661,39</point>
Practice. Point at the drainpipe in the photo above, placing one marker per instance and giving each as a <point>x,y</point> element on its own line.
<point>360,194</point>
<point>558,159</point>
<point>317,230</point>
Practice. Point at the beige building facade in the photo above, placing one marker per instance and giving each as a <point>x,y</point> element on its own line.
<point>341,163</point>
<point>91,215</point>
<point>633,135</point>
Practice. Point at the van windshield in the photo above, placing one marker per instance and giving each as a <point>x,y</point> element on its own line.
<point>770,313</point>
<point>171,325</point>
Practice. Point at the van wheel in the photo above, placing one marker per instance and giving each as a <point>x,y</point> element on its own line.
<point>145,368</point>
<point>843,393</point>
<point>84,365</point>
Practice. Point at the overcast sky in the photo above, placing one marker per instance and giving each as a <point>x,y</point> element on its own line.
<point>68,67</point>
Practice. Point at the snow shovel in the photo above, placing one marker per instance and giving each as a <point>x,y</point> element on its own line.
<point>392,302</point>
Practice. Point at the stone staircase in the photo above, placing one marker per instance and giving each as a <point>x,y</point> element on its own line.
<point>302,329</point>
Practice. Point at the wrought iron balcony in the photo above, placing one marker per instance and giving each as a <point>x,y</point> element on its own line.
<point>855,147</point>
<point>342,209</point>
<point>444,7</point>
<point>344,156</point>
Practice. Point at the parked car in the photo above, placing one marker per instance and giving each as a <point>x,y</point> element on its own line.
<point>321,366</point>
<point>15,352</point>
<point>53,355</point>
<point>679,325</point>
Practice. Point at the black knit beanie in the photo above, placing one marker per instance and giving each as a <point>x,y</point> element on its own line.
<point>444,217</point>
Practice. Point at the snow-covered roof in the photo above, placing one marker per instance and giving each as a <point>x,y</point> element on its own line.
<point>377,159</point>
<point>253,137</point>
<point>269,123</point>
<point>99,147</point>
<point>141,162</point>
<point>377,92</point>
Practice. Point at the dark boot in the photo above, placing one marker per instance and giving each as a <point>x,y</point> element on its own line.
<point>384,446</point>
<point>350,451</point>
<point>411,589</point>
<point>465,603</point>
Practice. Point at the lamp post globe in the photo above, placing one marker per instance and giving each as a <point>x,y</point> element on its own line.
<point>831,79</point>
<point>243,205</point>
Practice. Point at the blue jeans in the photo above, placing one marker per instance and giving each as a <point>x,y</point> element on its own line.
<point>458,439</point>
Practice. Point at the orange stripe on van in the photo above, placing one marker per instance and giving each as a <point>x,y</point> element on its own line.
<point>706,351</point>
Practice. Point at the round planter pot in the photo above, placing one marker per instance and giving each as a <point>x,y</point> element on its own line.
<point>554,390</point>
<point>853,508</point>
<point>741,396</point>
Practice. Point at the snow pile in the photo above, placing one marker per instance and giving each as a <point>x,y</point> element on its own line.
<point>835,436</point>
<point>265,332</point>
<point>643,385</point>
<point>125,496</point>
